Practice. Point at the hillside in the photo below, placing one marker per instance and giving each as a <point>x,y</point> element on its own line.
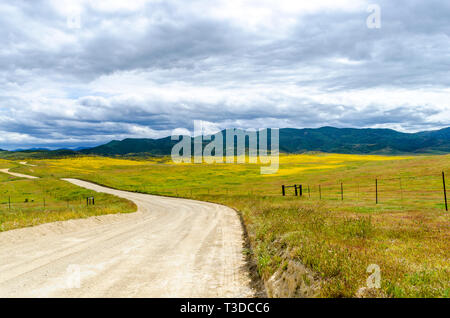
<point>326,139</point>
<point>37,154</point>
<point>363,141</point>
<point>161,146</point>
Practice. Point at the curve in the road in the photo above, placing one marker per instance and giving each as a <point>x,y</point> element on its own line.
<point>170,248</point>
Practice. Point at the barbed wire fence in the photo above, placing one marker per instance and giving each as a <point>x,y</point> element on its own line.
<point>429,190</point>
<point>10,203</point>
<point>425,190</point>
<point>403,190</point>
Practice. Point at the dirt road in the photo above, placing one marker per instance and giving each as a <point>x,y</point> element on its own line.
<point>169,248</point>
<point>17,174</point>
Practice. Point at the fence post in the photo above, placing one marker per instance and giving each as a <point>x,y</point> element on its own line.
<point>309,193</point>
<point>301,190</point>
<point>320,192</point>
<point>445,192</point>
<point>296,191</point>
<point>401,189</point>
<point>283,191</point>
<point>376,191</point>
<point>342,192</point>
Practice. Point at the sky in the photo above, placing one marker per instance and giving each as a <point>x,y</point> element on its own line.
<point>82,73</point>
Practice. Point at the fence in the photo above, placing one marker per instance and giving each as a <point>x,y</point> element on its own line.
<point>12,203</point>
<point>418,191</point>
<point>297,188</point>
<point>400,190</point>
<point>403,191</point>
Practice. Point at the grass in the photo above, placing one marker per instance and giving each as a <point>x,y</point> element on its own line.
<point>406,233</point>
<point>25,202</point>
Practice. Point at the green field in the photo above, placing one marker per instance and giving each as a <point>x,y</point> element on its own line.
<point>407,233</point>
<point>26,202</point>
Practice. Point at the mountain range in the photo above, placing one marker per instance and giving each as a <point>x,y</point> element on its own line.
<point>325,139</point>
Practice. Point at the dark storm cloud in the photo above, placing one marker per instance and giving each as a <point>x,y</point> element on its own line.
<point>142,69</point>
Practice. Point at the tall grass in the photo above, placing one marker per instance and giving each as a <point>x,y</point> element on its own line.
<point>406,234</point>
<point>25,202</point>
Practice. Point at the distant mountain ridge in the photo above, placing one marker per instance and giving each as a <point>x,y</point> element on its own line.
<point>161,146</point>
<point>325,139</point>
<point>292,140</point>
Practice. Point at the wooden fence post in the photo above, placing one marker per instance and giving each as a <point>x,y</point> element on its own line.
<point>283,191</point>
<point>376,191</point>
<point>90,200</point>
<point>301,190</point>
<point>445,192</point>
<point>296,191</point>
<point>401,189</point>
<point>309,193</point>
<point>342,192</point>
<point>320,192</point>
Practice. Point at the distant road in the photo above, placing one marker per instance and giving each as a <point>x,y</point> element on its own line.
<point>26,164</point>
<point>169,248</point>
<point>17,174</point>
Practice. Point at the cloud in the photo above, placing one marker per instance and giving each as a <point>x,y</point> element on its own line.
<point>142,68</point>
